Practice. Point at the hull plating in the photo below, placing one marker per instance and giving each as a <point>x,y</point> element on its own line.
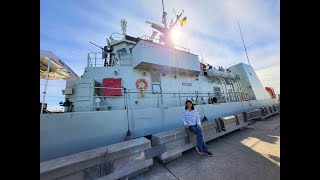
<point>69,133</point>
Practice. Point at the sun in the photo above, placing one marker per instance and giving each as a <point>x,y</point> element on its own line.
<point>175,34</point>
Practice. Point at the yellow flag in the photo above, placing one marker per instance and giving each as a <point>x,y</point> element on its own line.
<point>183,21</point>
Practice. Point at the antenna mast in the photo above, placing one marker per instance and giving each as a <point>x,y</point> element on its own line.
<point>165,31</point>
<point>164,19</point>
<point>244,44</point>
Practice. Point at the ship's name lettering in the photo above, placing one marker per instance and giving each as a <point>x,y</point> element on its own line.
<point>186,84</point>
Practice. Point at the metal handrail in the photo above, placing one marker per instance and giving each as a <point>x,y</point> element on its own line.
<point>116,38</point>
<point>94,59</point>
<point>224,97</point>
<point>147,38</point>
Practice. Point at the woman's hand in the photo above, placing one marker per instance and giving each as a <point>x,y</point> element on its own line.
<point>199,126</point>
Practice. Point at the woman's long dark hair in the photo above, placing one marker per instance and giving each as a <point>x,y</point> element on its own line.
<point>192,107</point>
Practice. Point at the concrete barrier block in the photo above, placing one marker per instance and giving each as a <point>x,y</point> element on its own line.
<point>179,146</point>
<point>93,172</point>
<point>278,107</point>
<point>233,128</point>
<point>240,117</point>
<point>66,165</point>
<point>229,130</point>
<point>208,125</point>
<point>174,134</point>
<point>270,114</point>
<point>243,126</point>
<point>75,176</point>
<point>210,135</point>
<point>129,176</point>
<point>119,163</point>
<point>229,119</point>
<point>177,150</point>
<point>173,144</point>
<point>254,114</point>
<point>167,136</point>
<point>242,122</point>
<point>127,169</point>
<point>164,161</point>
<point>106,168</point>
<point>175,147</point>
<point>71,164</point>
<point>231,125</point>
<point>116,151</point>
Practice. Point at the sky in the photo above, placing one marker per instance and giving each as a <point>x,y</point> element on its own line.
<point>212,32</point>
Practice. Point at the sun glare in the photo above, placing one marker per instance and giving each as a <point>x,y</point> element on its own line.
<point>175,34</point>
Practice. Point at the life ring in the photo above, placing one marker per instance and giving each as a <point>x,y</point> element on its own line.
<point>145,84</point>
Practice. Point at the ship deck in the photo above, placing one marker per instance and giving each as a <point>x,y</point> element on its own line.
<point>252,153</point>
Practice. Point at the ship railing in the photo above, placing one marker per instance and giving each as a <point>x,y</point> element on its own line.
<point>99,59</point>
<point>182,48</point>
<point>152,99</point>
<point>222,97</point>
<point>127,96</point>
<point>157,41</point>
<point>148,38</point>
<point>116,36</point>
<point>234,96</point>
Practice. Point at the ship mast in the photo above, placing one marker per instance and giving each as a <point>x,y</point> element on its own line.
<point>165,31</point>
<point>164,16</point>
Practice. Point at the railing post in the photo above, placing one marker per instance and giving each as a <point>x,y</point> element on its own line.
<point>129,98</point>
<point>158,101</point>
<point>95,59</point>
<point>124,98</point>
<point>88,59</point>
<point>179,98</point>
<point>161,98</point>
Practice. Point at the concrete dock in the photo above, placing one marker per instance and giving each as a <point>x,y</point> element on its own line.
<point>251,153</point>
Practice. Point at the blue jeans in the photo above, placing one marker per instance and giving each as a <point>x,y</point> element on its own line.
<point>201,144</point>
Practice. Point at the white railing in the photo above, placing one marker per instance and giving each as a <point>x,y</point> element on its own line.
<point>157,41</point>
<point>116,36</point>
<point>99,59</point>
<point>153,99</point>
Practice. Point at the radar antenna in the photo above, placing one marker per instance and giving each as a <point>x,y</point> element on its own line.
<point>165,31</point>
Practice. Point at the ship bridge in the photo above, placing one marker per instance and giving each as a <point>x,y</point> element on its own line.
<point>147,54</point>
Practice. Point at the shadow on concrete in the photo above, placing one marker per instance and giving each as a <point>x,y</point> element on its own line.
<point>275,158</point>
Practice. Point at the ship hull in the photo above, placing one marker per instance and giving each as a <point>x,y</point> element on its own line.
<point>69,133</point>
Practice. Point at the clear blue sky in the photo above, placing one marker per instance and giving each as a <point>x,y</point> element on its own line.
<point>67,26</point>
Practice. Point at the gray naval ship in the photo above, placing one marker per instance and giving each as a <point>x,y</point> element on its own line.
<point>137,86</point>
